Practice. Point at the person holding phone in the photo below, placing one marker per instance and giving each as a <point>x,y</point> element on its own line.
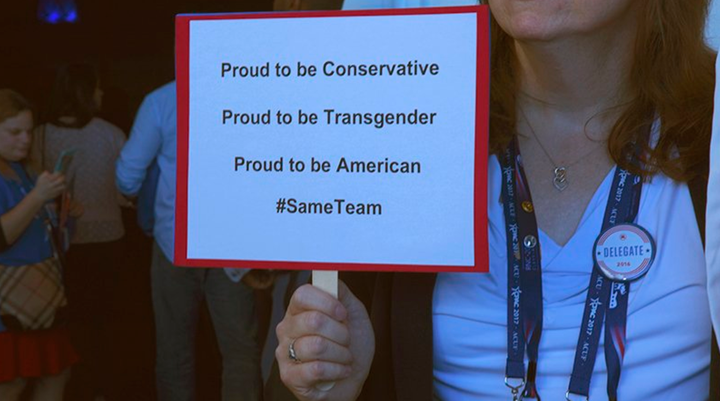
<point>34,343</point>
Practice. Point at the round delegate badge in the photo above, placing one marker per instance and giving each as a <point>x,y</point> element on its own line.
<point>624,252</point>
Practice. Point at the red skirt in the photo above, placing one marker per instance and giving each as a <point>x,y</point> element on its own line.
<point>27,354</point>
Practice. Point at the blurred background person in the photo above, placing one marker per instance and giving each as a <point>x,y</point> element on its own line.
<point>35,345</point>
<point>178,293</point>
<point>94,259</point>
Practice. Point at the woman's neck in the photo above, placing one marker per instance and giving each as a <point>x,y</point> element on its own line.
<point>578,77</point>
<point>570,90</point>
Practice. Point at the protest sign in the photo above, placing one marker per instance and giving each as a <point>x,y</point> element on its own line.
<point>346,140</point>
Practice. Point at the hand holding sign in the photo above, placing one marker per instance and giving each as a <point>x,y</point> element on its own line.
<point>366,152</point>
<point>333,341</point>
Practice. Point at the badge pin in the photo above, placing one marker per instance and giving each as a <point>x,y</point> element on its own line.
<point>530,241</point>
<point>624,252</point>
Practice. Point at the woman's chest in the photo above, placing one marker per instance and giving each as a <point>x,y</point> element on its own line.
<point>667,308</point>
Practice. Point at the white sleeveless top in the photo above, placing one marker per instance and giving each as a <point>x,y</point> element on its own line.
<point>668,331</point>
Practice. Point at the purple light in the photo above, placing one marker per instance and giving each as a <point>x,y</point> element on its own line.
<point>53,17</point>
<point>57,11</point>
<point>71,16</point>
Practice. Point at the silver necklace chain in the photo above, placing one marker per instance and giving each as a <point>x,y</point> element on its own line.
<point>560,179</point>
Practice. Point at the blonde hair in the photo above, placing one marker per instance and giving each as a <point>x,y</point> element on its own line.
<point>12,104</point>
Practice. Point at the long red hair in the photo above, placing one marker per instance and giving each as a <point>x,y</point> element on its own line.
<point>672,78</point>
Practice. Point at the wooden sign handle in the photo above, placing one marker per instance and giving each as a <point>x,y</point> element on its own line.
<point>326,280</point>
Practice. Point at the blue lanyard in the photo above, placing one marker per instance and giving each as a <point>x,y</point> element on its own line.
<point>606,296</point>
<point>525,287</point>
<point>525,312</point>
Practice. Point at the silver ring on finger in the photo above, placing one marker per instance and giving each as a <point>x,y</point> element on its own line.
<point>292,354</point>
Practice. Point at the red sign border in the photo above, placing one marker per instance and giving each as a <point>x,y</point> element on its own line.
<point>482,117</point>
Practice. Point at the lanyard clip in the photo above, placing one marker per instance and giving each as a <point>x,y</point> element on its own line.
<point>572,396</point>
<point>515,386</point>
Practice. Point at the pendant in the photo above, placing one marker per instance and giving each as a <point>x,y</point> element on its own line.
<point>560,181</point>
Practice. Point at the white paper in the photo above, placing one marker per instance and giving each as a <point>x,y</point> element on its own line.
<point>426,218</point>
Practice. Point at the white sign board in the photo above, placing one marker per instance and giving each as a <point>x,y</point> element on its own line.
<point>335,140</point>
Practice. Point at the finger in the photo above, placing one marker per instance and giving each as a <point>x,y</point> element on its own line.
<point>315,348</point>
<point>345,296</point>
<point>54,185</point>
<point>58,188</point>
<point>307,375</point>
<point>318,371</point>
<point>313,323</point>
<point>310,298</point>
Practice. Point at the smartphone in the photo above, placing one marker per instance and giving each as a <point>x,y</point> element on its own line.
<point>64,160</point>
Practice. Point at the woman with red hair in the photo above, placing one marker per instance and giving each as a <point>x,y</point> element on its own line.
<point>610,105</point>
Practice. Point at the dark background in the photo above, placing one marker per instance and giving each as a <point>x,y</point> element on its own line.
<point>131,42</point>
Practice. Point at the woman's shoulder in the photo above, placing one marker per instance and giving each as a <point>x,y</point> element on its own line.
<point>108,129</point>
<point>10,184</point>
<point>46,128</point>
<point>102,124</point>
<point>95,125</point>
<point>5,182</point>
